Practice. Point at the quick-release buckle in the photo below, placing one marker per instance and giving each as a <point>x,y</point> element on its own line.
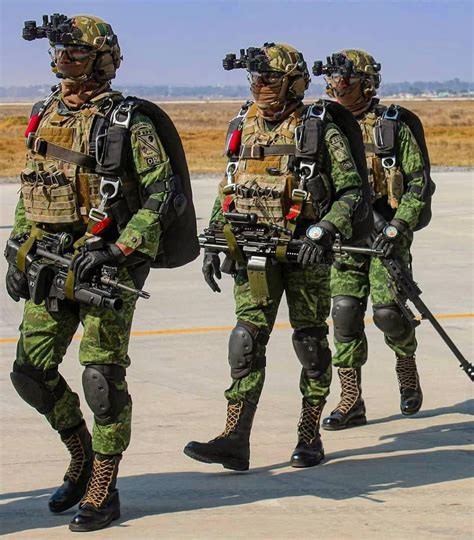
<point>230,171</point>
<point>298,195</point>
<point>391,113</point>
<point>124,110</point>
<point>313,111</point>
<point>97,215</point>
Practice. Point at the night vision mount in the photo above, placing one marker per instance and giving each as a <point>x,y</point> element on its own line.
<point>252,59</point>
<point>57,28</point>
<point>337,63</point>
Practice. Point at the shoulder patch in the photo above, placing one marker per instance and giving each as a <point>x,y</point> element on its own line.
<point>148,145</point>
<point>338,147</point>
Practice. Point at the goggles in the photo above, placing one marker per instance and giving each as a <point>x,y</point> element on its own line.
<point>265,78</point>
<point>341,80</point>
<point>75,53</point>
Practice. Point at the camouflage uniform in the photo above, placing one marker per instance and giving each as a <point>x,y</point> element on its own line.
<point>265,166</point>
<point>44,336</point>
<point>397,194</point>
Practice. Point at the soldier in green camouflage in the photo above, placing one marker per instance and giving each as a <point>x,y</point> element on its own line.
<point>260,175</point>
<point>398,183</point>
<point>63,134</point>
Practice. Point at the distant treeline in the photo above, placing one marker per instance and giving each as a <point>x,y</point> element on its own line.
<point>452,87</point>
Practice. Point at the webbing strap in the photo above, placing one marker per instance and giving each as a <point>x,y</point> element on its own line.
<point>26,247</point>
<point>234,250</point>
<point>46,148</point>
<point>257,152</point>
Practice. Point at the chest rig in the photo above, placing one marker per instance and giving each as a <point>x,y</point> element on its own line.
<point>379,132</point>
<point>271,169</point>
<point>63,181</point>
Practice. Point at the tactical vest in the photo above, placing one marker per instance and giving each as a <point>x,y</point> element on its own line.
<point>264,181</point>
<point>60,184</point>
<point>385,175</point>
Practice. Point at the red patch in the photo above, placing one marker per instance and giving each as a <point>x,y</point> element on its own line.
<point>294,212</point>
<point>100,227</point>
<point>33,124</point>
<point>234,142</point>
<point>227,203</point>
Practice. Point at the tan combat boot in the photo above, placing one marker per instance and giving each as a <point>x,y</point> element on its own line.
<point>350,411</point>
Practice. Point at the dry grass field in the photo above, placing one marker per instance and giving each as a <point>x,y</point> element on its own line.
<point>449,127</point>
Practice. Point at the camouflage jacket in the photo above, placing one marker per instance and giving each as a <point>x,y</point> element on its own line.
<point>336,164</point>
<point>148,164</point>
<point>397,200</point>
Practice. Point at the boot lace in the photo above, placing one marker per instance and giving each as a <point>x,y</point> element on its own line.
<point>308,425</point>
<point>350,389</point>
<point>78,457</point>
<point>233,414</point>
<point>98,486</point>
<point>407,374</point>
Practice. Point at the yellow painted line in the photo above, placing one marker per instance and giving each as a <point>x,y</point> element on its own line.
<point>208,329</point>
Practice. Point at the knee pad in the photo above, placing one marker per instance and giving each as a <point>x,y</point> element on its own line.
<point>31,385</point>
<point>348,317</point>
<point>391,321</point>
<point>315,357</point>
<point>246,349</point>
<point>105,400</point>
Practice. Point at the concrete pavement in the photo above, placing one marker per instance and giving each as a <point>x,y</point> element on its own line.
<point>395,478</point>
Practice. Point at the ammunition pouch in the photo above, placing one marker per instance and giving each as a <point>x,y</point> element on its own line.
<point>32,386</point>
<point>100,383</point>
<point>247,345</point>
<point>265,279</point>
<point>315,357</point>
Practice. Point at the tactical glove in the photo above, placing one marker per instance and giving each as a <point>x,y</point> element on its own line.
<point>390,236</point>
<point>17,284</point>
<point>315,249</point>
<point>211,269</point>
<point>88,261</point>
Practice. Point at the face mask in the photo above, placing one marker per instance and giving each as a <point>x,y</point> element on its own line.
<point>348,92</point>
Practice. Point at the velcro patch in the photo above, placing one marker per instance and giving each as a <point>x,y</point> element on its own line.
<point>339,148</point>
<point>148,146</point>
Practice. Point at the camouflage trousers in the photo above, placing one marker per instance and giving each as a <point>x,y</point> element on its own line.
<point>308,297</point>
<point>359,276</point>
<point>44,339</point>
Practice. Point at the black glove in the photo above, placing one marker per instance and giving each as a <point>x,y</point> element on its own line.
<point>315,249</point>
<point>17,284</point>
<point>390,236</point>
<point>210,268</point>
<point>88,261</point>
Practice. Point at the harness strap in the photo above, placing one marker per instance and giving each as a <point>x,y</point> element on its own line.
<point>258,152</point>
<point>35,234</point>
<point>44,148</point>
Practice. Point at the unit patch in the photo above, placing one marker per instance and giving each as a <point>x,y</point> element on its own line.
<point>339,148</point>
<point>148,146</point>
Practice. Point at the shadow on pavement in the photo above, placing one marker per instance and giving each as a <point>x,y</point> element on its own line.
<point>421,460</point>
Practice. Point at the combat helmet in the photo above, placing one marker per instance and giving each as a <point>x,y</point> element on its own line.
<point>278,75</point>
<point>351,63</point>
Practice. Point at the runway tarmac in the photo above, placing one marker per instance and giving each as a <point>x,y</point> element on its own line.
<point>397,477</point>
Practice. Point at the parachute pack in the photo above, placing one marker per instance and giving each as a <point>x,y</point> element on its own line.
<point>386,132</point>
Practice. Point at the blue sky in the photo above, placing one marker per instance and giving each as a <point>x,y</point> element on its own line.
<point>183,42</point>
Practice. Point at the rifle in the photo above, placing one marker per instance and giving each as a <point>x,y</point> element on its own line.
<point>406,289</point>
<point>259,240</point>
<point>47,267</point>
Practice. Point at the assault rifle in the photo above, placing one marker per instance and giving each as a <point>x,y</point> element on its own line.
<point>47,267</point>
<point>255,239</point>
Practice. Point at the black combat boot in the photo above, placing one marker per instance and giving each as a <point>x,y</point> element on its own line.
<point>411,396</point>
<point>309,451</point>
<point>78,442</point>
<point>232,447</point>
<point>101,504</point>
<point>350,411</point>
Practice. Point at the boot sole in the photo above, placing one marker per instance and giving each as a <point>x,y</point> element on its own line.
<point>82,528</point>
<point>231,464</point>
<point>353,422</point>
